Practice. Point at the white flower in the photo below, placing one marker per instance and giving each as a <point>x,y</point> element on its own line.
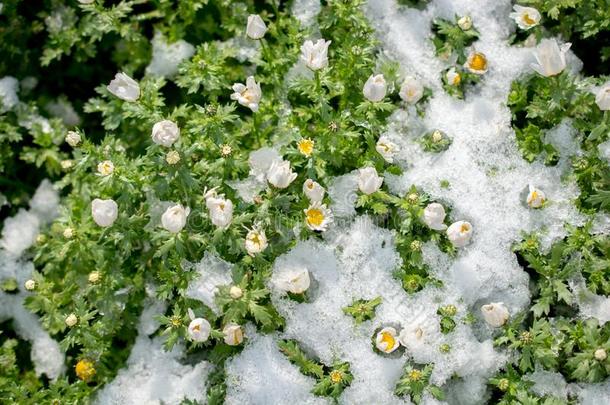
<point>105,168</point>
<point>459,233</point>
<point>418,334</point>
<point>71,320</point>
<point>165,133</point>
<point>261,160</point>
<point>30,285</point>
<point>221,211</point>
<point>256,27</point>
<point>453,77</point>
<point>535,197</point>
<point>600,354</point>
<point>124,87</point>
<point>280,174</point>
<point>315,55</point>
<point>411,90</point>
<point>248,95</point>
<point>66,164</point>
<point>386,148</point>
<point>233,334</point>
<point>174,218</point>
<point>387,340</point>
<point>313,190</point>
<point>86,1</point>
<point>73,138</point>
<point>550,57</point>
<point>434,215</point>
<point>525,17</point>
<point>476,63</point>
<point>295,280</point>
<point>375,88</point>
<point>235,292</point>
<point>495,314</point>
<point>256,241</point>
<point>104,212</point>
<point>368,180</point>
<point>318,217</point>
<point>603,97</point>
<point>465,23</point>
<point>199,329</point>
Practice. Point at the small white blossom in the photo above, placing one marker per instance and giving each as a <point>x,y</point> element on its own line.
<point>375,88</point>
<point>602,99</point>
<point>68,233</point>
<point>71,320</point>
<point>495,314</point>
<point>434,216</point>
<point>465,23</point>
<point>453,77</point>
<point>104,212</point>
<point>318,216</point>
<point>368,180</point>
<point>411,90</point>
<point>459,233</point>
<point>256,27</point>
<point>73,138</point>
<point>105,168</point>
<point>535,197</point>
<point>256,241</point>
<point>295,280</point>
<point>235,292</point>
<point>313,190</point>
<point>66,164</point>
<point>30,285</point>
<point>386,148</point>
<point>248,95</point>
<point>387,340</point>
<point>525,17</point>
<point>600,354</point>
<point>280,174</point>
<point>233,334</point>
<point>315,55</point>
<point>165,133</point>
<point>476,63</point>
<point>550,57</point>
<point>172,157</point>
<point>124,87</point>
<point>220,210</point>
<point>199,328</point>
<point>174,218</point>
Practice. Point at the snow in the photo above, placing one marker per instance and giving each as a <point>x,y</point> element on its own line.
<point>306,11</point>
<point>18,234</point>
<point>261,375</point>
<point>63,109</point>
<point>9,86</point>
<point>154,376</point>
<point>590,305</point>
<point>166,57</point>
<point>213,272</point>
<point>593,394</point>
<point>548,383</point>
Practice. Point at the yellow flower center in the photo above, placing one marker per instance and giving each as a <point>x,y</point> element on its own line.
<point>315,216</point>
<point>197,328</point>
<point>306,146</point>
<point>84,370</point>
<point>336,376</point>
<point>456,79</point>
<point>414,375</point>
<point>528,20</point>
<point>478,62</point>
<point>255,238</point>
<point>388,339</point>
<point>464,228</point>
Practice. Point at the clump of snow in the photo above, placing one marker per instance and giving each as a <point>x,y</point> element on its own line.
<point>590,305</point>
<point>166,57</point>
<point>306,11</point>
<point>343,193</point>
<point>592,394</point>
<point>261,374</point>
<point>604,150</point>
<point>548,383</point>
<point>213,273</point>
<point>155,376</point>
<point>19,232</point>
<point>63,109</point>
<point>9,86</point>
